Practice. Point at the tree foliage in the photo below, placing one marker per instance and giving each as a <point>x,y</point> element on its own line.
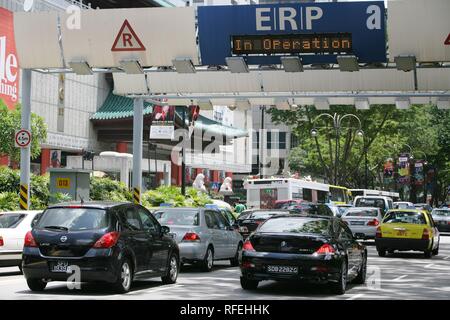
<point>11,123</point>
<point>387,131</point>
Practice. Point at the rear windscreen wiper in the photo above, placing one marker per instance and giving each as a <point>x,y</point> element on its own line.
<point>57,227</point>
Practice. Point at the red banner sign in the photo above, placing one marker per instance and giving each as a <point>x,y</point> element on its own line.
<point>9,66</point>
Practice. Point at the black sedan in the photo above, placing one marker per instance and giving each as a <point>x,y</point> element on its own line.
<point>309,248</point>
<point>249,220</point>
<point>108,242</point>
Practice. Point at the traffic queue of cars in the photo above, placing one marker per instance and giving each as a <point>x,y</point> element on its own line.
<point>118,243</point>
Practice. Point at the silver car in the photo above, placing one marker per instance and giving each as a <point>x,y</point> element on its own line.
<point>203,235</point>
<point>363,221</point>
<point>441,218</point>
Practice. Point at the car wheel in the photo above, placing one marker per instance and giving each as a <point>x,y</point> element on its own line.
<point>381,252</point>
<point>340,286</point>
<point>248,284</point>
<point>436,251</point>
<point>208,261</point>
<point>123,283</point>
<point>36,284</point>
<point>391,251</point>
<point>361,277</point>
<point>235,261</point>
<point>172,270</point>
<point>428,253</point>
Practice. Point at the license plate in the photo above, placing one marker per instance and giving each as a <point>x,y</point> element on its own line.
<point>59,266</point>
<point>402,233</point>
<point>357,223</point>
<point>282,269</point>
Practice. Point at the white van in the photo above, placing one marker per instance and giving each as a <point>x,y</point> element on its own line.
<point>384,203</point>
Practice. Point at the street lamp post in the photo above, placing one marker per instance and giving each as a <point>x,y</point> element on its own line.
<point>337,124</point>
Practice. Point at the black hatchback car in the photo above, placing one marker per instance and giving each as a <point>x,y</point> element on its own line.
<point>310,248</point>
<point>109,242</point>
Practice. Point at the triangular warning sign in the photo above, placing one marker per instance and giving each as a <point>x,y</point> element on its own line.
<point>127,40</point>
<point>447,41</point>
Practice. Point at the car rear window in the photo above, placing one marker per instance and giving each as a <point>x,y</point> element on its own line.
<point>370,202</point>
<point>178,217</point>
<point>10,220</point>
<point>405,217</point>
<point>264,215</point>
<point>361,213</point>
<point>73,219</point>
<point>441,213</point>
<point>313,209</point>
<point>296,225</point>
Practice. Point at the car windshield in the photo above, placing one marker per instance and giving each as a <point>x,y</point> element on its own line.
<point>73,219</point>
<point>10,220</point>
<point>177,217</point>
<point>284,204</point>
<point>370,202</point>
<point>405,217</point>
<point>296,225</point>
<point>361,213</point>
<point>402,205</point>
<point>441,213</point>
<point>313,209</point>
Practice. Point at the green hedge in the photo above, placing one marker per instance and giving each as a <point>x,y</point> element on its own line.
<point>101,189</point>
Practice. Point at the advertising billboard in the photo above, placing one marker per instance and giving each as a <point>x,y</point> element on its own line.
<point>9,65</point>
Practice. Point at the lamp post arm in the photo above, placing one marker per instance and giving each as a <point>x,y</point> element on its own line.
<point>349,115</point>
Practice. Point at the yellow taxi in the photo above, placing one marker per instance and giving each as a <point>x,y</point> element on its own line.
<point>407,230</point>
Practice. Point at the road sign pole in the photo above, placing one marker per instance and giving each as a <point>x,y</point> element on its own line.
<point>25,152</point>
<point>138,124</point>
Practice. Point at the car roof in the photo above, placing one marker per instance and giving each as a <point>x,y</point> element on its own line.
<point>23,211</point>
<point>407,210</point>
<point>294,215</point>
<point>180,208</point>
<point>90,204</point>
<point>363,208</point>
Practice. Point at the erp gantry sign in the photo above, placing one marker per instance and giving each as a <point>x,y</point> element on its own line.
<point>317,32</point>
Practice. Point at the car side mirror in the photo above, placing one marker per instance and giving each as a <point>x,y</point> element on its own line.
<point>165,230</point>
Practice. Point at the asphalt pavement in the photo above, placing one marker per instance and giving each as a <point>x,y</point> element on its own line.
<point>405,275</point>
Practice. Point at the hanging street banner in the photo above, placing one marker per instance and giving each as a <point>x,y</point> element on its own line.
<point>9,66</point>
<point>163,122</point>
<point>403,169</point>
<point>388,171</point>
<point>418,174</point>
<point>317,32</point>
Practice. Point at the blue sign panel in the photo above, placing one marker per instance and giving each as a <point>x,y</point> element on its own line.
<point>317,32</point>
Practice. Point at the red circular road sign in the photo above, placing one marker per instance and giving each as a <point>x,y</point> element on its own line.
<point>23,138</point>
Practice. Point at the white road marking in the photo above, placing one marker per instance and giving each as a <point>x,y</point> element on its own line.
<point>356,296</point>
<point>400,278</point>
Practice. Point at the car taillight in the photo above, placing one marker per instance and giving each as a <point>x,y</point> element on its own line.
<point>426,234</point>
<point>325,249</point>
<point>1,242</point>
<point>191,236</point>
<point>378,233</point>
<point>107,241</point>
<point>248,246</point>
<point>29,240</point>
<point>374,223</point>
